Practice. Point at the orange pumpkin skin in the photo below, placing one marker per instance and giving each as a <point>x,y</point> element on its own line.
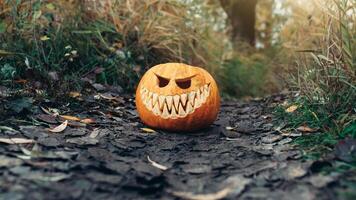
<point>177,97</point>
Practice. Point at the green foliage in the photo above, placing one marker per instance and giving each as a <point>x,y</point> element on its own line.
<point>7,71</point>
<point>332,125</point>
<point>244,76</point>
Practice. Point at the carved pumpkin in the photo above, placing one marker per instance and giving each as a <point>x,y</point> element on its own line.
<point>177,97</point>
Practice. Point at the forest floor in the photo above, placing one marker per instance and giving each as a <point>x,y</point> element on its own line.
<point>105,152</point>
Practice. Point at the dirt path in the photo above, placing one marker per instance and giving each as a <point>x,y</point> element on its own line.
<point>240,156</point>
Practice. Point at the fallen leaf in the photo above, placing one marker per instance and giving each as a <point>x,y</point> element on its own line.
<point>229,128</point>
<point>45,110</point>
<point>59,128</point>
<point>87,121</point>
<point>21,81</point>
<point>6,128</point>
<point>76,124</point>
<point>50,111</point>
<point>5,53</point>
<point>148,130</point>
<point>94,133</point>
<point>294,170</point>
<point>306,129</point>
<point>74,94</point>
<point>44,38</point>
<point>291,108</point>
<point>107,97</point>
<point>154,164</point>
<point>16,141</point>
<point>213,196</point>
<point>83,141</point>
<point>70,118</point>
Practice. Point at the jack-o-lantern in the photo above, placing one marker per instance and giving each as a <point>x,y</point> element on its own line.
<point>177,97</point>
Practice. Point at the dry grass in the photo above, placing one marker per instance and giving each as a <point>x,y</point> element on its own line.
<point>123,36</point>
<point>324,50</point>
<point>327,69</point>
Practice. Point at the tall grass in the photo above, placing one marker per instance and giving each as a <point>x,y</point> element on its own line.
<point>325,73</point>
<point>124,37</point>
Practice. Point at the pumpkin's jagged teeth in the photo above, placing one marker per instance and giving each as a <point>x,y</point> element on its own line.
<point>198,100</point>
<point>181,112</point>
<point>165,113</point>
<point>177,106</point>
<point>154,99</point>
<point>143,91</point>
<point>202,95</point>
<point>206,87</point>
<point>197,103</point>
<point>150,95</point>
<point>190,108</point>
<point>149,104</point>
<point>156,109</point>
<point>161,100</point>
<point>176,99</point>
<point>169,102</point>
<point>183,100</point>
<point>191,98</point>
<point>174,113</point>
<point>145,100</point>
<point>201,89</point>
<point>206,91</point>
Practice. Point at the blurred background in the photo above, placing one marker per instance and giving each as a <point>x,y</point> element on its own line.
<point>252,47</point>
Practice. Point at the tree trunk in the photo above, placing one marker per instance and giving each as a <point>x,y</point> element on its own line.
<point>242,18</point>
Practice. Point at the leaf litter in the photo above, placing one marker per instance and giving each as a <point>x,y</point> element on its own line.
<point>59,128</point>
<point>101,157</point>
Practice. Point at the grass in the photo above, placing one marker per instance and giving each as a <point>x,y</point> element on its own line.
<point>123,38</point>
<point>325,75</point>
<point>331,126</point>
<point>39,39</point>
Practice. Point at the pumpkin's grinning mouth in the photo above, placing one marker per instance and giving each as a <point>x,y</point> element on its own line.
<point>177,106</point>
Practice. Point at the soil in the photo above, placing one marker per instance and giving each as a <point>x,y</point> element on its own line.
<point>242,155</point>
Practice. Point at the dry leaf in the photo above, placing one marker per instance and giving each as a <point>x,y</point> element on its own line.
<point>148,130</point>
<point>74,94</point>
<point>213,196</point>
<point>306,129</point>
<point>291,108</point>
<point>229,128</point>
<point>107,97</point>
<point>21,81</point>
<point>70,118</point>
<point>88,121</point>
<point>59,128</point>
<point>154,164</point>
<point>234,185</point>
<point>46,111</point>
<point>16,141</point>
<point>44,38</point>
<point>94,133</point>
<point>50,111</point>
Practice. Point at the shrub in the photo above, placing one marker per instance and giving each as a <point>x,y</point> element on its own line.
<point>245,76</point>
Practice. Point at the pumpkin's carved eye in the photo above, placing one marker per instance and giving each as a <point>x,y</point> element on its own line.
<point>184,84</point>
<point>162,82</point>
